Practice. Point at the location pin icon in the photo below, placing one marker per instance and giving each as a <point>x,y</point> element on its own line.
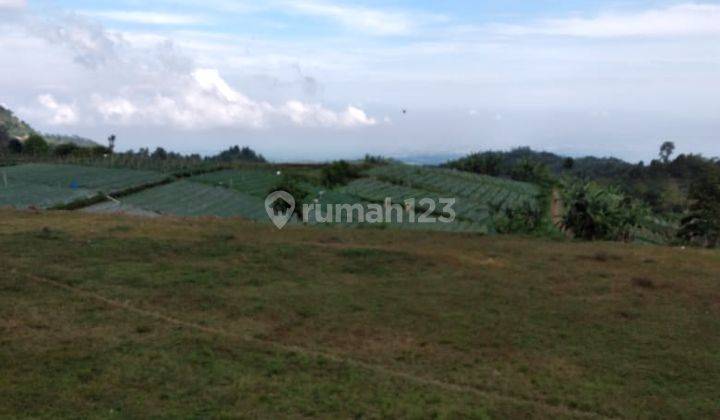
<point>280,218</point>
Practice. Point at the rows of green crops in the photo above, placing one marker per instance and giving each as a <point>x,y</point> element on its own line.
<point>241,192</point>
<point>495,192</point>
<point>377,191</point>
<point>186,198</point>
<point>24,195</point>
<point>49,185</point>
<point>336,216</point>
<point>256,182</point>
<point>79,177</point>
<point>259,183</point>
<point>189,199</point>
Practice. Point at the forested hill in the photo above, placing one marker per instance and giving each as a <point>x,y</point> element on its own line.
<point>500,163</point>
<point>663,183</point>
<point>15,127</point>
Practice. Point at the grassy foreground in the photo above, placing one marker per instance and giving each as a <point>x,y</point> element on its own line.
<point>111,316</point>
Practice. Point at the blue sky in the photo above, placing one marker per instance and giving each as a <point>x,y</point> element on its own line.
<point>320,79</point>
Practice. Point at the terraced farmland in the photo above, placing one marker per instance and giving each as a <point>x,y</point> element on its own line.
<point>23,195</point>
<point>256,182</point>
<point>187,198</point>
<point>357,193</point>
<point>241,192</point>
<point>392,223</point>
<point>47,185</point>
<point>495,192</point>
<point>79,177</point>
<point>377,191</point>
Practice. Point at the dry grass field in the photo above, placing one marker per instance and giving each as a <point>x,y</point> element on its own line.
<point>107,316</point>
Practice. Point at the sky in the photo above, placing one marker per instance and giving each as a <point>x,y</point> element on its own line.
<point>327,79</point>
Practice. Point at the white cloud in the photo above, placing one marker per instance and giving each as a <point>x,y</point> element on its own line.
<point>668,82</point>
<point>355,116</point>
<point>157,84</point>
<point>315,115</point>
<point>114,110</point>
<point>91,45</point>
<point>374,21</point>
<point>12,4</point>
<point>57,113</point>
<point>210,81</point>
<point>205,100</point>
<point>679,20</point>
<point>149,18</point>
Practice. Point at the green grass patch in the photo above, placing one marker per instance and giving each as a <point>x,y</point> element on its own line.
<point>538,328</point>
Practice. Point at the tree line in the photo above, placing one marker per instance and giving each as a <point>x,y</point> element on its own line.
<point>609,199</point>
<point>36,146</point>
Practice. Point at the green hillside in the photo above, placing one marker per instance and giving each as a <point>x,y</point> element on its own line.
<point>74,139</point>
<point>108,316</point>
<point>15,127</point>
<point>44,185</point>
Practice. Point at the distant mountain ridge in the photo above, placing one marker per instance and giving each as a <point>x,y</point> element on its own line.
<point>17,128</point>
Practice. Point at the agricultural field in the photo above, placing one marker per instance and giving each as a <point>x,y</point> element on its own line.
<point>51,185</point>
<point>494,192</point>
<point>23,195</point>
<point>377,191</point>
<point>232,192</point>
<point>258,183</point>
<point>255,182</point>
<point>89,178</point>
<point>456,226</point>
<point>187,198</point>
<point>228,318</point>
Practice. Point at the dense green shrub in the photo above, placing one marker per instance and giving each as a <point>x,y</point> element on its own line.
<point>235,153</point>
<point>376,159</point>
<point>66,149</point>
<point>291,186</point>
<point>36,145</point>
<point>594,212</point>
<point>702,225</point>
<point>15,146</point>
<point>524,218</point>
<point>530,171</point>
<point>339,173</point>
<point>486,163</point>
<point>4,139</point>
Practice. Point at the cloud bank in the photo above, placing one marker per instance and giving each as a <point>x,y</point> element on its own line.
<point>675,21</point>
<point>160,85</point>
<point>364,19</point>
<point>12,4</point>
<point>57,113</point>
<point>330,77</point>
